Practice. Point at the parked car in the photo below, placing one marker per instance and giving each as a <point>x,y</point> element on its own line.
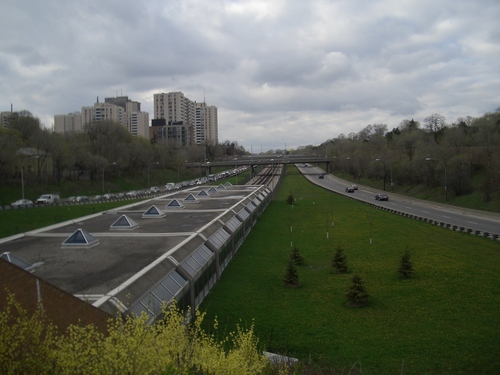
<point>82,199</point>
<point>71,199</point>
<point>98,198</point>
<point>131,193</point>
<point>22,203</point>
<point>382,197</point>
<point>170,186</point>
<point>48,199</point>
<point>108,196</point>
<point>153,190</point>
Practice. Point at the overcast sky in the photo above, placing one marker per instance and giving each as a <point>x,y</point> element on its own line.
<point>280,72</point>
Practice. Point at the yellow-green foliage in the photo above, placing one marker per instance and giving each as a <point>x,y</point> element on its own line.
<point>174,346</point>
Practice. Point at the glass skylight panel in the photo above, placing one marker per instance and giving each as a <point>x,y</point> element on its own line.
<point>233,224</point>
<point>162,293</point>
<point>179,280</point>
<point>251,207</point>
<point>244,214</point>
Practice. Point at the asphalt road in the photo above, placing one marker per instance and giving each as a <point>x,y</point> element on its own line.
<point>475,221</point>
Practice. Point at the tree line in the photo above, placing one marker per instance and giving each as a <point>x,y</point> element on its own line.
<point>427,153</point>
<point>49,157</point>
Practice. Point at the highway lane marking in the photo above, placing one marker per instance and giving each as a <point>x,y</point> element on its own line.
<point>472,222</point>
<point>426,212</point>
<point>448,217</point>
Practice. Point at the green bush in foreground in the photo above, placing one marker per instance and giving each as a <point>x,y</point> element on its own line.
<point>29,345</point>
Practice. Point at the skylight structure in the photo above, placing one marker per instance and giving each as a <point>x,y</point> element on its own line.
<point>203,194</point>
<point>174,203</point>
<point>191,199</point>
<point>153,212</point>
<point>81,239</point>
<point>17,261</point>
<point>124,223</point>
<point>213,190</point>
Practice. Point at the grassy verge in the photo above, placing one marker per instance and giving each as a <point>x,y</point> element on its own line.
<point>443,320</point>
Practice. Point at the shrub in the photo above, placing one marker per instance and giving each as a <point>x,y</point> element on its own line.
<point>406,265</point>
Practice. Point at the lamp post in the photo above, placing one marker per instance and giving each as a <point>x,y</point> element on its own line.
<point>445,177</point>
<point>104,167</point>
<point>22,172</point>
<point>154,163</point>
<point>385,171</point>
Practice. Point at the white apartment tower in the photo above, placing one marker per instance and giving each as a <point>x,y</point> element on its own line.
<point>186,122</point>
<point>121,110</point>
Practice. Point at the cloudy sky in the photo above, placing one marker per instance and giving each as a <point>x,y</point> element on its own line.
<point>280,72</point>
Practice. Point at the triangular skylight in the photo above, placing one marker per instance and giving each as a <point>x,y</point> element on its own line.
<point>124,223</point>
<point>81,239</point>
<point>174,203</point>
<point>17,261</point>
<point>191,199</point>
<point>203,194</point>
<point>213,190</point>
<point>153,212</point>
<point>221,187</point>
<point>228,184</point>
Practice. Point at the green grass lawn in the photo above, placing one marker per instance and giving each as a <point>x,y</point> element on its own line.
<point>445,319</point>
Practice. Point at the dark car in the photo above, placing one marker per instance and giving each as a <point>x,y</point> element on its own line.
<point>349,190</point>
<point>321,176</point>
<point>382,197</point>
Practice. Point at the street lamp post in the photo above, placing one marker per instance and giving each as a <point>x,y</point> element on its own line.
<point>385,172</point>
<point>22,172</point>
<point>104,167</point>
<point>154,163</point>
<point>445,177</point>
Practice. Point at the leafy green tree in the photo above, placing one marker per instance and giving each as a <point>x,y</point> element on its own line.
<point>356,293</point>
<point>297,259</point>
<point>29,345</point>
<point>339,261</point>
<point>291,275</point>
<point>406,265</point>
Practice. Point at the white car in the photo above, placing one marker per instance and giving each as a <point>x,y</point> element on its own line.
<point>22,203</point>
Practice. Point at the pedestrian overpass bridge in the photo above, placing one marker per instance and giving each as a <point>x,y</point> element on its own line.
<point>254,161</point>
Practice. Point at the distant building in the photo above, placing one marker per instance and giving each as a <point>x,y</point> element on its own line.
<point>121,110</point>
<point>181,120</point>
<point>6,118</point>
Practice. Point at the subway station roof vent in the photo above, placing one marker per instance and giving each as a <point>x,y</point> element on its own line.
<point>124,223</point>
<point>221,187</point>
<point>228,184</point>
<point>81,239</point>
<point>174,203</point>
<point>153,212</point>
<point>191,199</point>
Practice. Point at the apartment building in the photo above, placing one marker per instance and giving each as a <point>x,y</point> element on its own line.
<point>121,110</point>
<point>181,120</point>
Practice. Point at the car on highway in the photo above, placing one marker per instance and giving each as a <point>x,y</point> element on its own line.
<point>321,176</point>
<point>381,197</point>
<point>22,203</point>
<point>355,187</point>
<point>349,190</point>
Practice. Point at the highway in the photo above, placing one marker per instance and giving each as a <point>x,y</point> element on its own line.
<point>477,222</point>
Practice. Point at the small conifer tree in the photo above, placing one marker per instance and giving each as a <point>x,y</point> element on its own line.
<point>406,265</point>
<point>297,259</point>
<point>339,261</point>
<point>356,293</point>
<point>291,275</point>
<point>290,199</point>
